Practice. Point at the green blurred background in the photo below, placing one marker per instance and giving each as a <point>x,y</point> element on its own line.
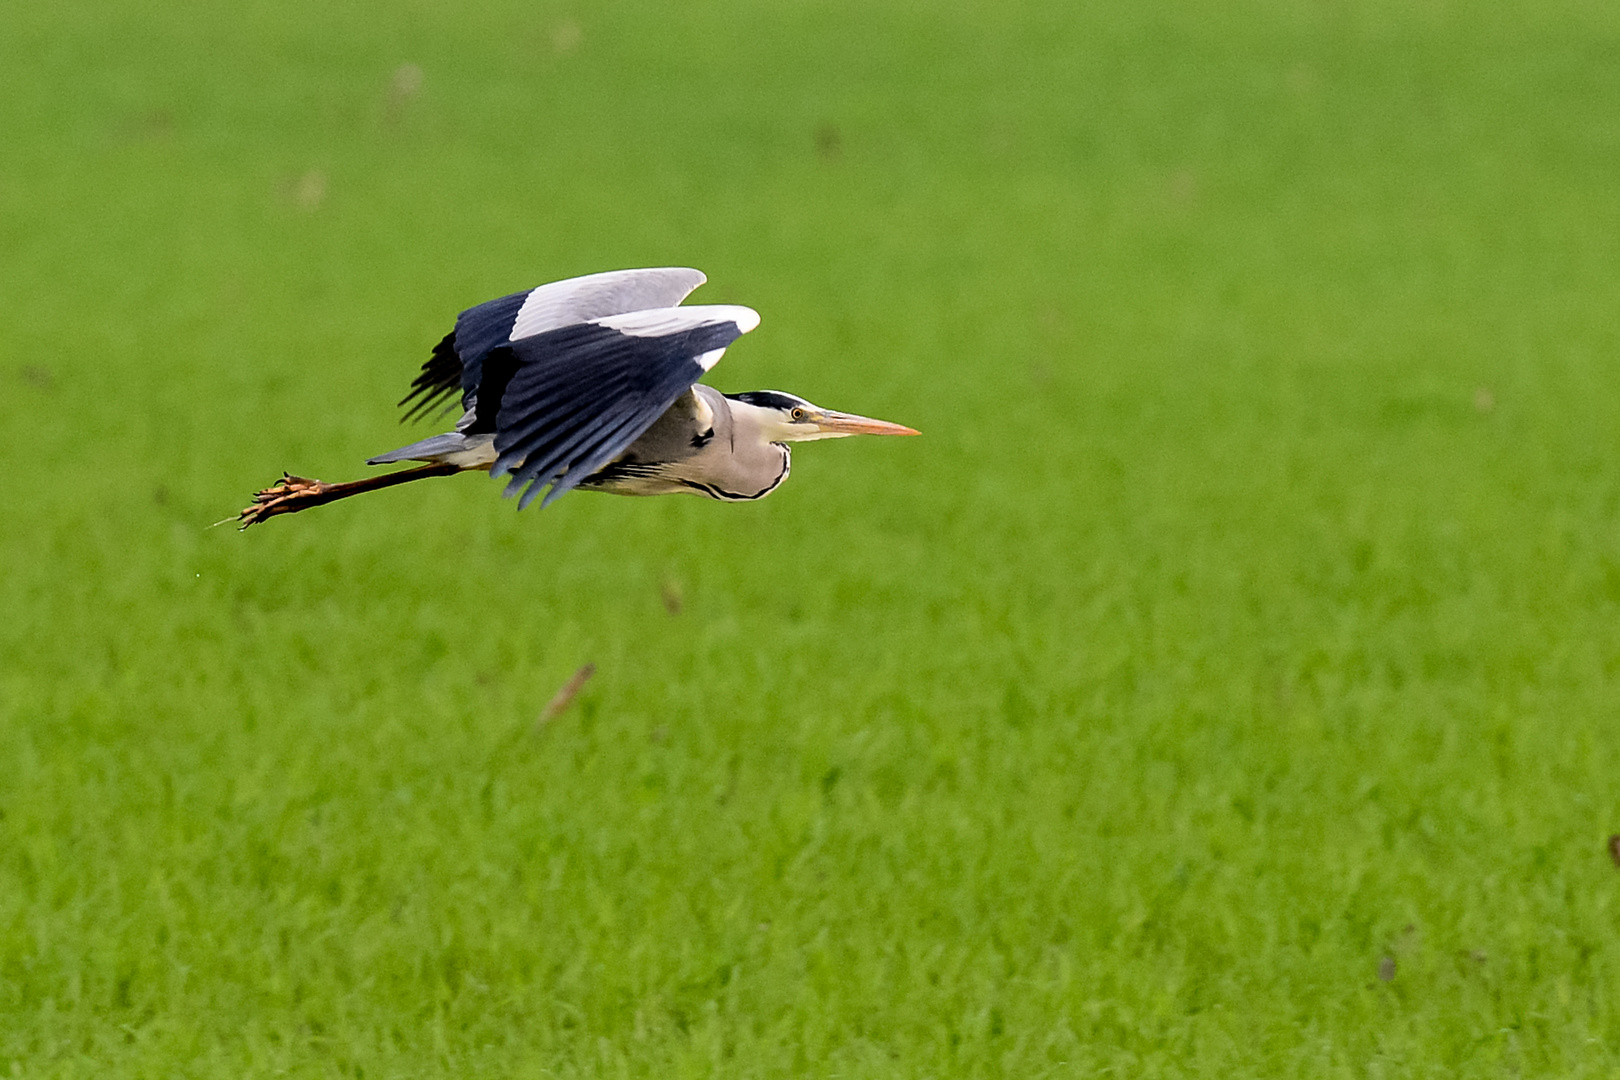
<point>1225,685</point>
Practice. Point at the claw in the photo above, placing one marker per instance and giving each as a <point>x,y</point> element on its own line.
<point>293,493</point>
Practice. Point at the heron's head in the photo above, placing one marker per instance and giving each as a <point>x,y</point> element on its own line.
<point>787,418</point>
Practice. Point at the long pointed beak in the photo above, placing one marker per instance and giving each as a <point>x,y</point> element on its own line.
<point>849,424</point>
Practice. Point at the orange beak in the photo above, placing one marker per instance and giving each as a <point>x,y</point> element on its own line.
<point>850,424</point>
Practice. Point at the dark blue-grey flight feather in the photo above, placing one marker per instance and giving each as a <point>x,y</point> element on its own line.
<point>578,396</point>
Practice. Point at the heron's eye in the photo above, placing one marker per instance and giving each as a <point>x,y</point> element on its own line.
<point>797,414</point>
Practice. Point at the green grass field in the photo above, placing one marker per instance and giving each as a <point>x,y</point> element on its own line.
<point>1227,684</point>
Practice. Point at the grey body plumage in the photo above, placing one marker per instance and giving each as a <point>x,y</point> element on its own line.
<point>703,444</point>
<point>593,383</point>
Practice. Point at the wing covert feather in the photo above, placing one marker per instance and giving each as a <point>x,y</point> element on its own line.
<point>457,362</point>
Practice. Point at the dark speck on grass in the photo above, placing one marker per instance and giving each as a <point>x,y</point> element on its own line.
<point>724,792</point>
<point>40,378</point>
<point>672,595</point>
<point>829,142</point>
<point>563,697</point>
<point>1386,969</point>
<point>829,779</point>
<point>1614,849</point>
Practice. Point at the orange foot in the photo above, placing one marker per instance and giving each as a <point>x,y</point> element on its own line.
<point>293,493</point>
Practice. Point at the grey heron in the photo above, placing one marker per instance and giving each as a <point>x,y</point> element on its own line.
<point>592,382</point>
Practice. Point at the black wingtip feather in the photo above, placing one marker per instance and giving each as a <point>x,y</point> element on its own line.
<point>439,379</point>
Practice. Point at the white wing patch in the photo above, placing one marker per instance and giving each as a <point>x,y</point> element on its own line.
<point>583,299</point>
<point>663,322</point>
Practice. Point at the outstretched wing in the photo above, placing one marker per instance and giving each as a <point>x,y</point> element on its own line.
<point>457,362</point>
<point>578,396</point>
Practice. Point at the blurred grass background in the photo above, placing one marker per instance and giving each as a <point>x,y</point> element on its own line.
<point>1226,684</point>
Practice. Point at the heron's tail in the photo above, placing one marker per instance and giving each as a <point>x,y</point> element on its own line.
<point>295,493</point>
<point>429,449</point>
<point>452,448</point>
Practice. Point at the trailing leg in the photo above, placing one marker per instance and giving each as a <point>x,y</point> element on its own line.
<point>295,493</point>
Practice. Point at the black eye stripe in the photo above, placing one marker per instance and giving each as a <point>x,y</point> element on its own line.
<point>770,399</point>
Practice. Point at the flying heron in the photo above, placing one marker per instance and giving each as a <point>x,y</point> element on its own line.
<point>593,383</point>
